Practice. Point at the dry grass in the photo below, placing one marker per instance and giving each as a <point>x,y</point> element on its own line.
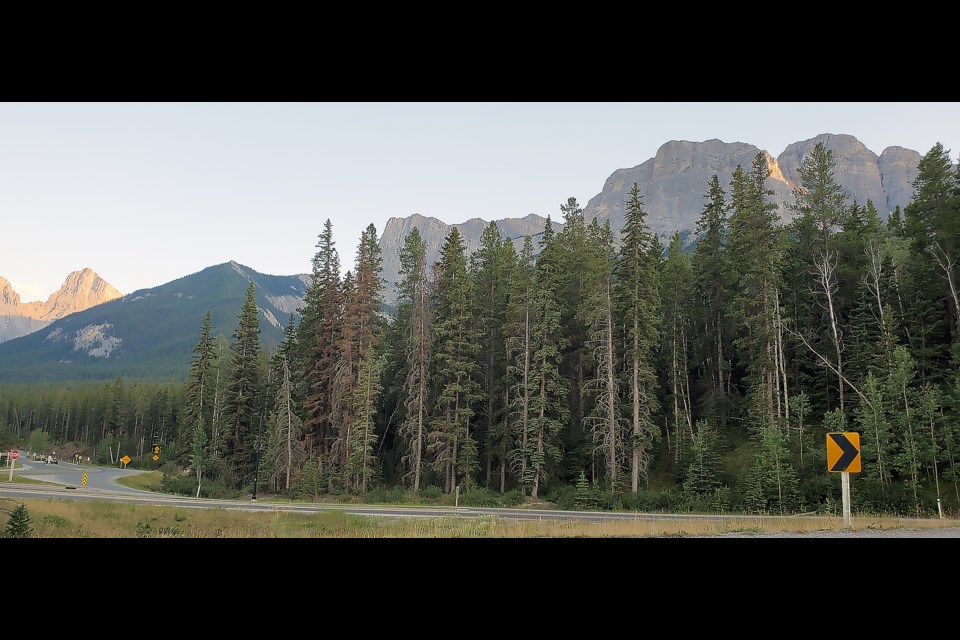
<point>149,480</point>
<point>100,519</point>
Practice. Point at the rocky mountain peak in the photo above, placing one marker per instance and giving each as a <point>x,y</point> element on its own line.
<point>8,297</point>
<point>80,290</point>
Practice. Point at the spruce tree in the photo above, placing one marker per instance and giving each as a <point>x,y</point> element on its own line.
<point>572,280</point>
<point>549,412</point>
<point>285,453</point>
<point>318,343</point>
<point>199,388</point>
<point>489,269</point>
<point>413,318</point>
<point>638,298</point>
<point>711,274</point>
<point>755,249</point>
<point>360,334</point>
<point>243,401</point>
<point>518,330</point>
<point>456,344</point>
<point>610,430</point>
<point>703,473</point>
<point>18,525</point>
<point>676,299</point>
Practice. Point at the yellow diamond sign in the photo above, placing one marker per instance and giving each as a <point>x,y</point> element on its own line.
<point>125,460</point>
<point>156,457</point>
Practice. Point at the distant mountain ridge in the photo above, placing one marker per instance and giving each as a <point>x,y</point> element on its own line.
<point>151,333</point>
<point>81,290</point>
<point>673,183</point>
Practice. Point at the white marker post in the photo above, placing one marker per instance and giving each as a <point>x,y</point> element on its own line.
<point>10,461</point>
<point>845,492</point>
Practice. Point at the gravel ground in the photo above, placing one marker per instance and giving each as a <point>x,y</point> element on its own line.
<point>944,532</point>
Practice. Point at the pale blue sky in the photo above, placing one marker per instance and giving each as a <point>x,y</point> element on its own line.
<point>145,193</point>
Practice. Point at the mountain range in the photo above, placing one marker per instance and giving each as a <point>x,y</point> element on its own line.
<point>152,332</point>
<point>673,185</point>
<point>81,290</point>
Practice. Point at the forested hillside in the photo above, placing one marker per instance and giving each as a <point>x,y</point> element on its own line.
<point>585,369</point>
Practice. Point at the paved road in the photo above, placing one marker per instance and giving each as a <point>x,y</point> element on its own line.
<point>70,474</point>
<point>101,485</point>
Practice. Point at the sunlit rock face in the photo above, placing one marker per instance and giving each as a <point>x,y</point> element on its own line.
<point>80,291</point>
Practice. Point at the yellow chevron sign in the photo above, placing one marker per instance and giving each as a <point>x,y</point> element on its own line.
<point>843,452</point>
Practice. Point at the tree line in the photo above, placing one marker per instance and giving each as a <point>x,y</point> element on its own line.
<point>610,363</point>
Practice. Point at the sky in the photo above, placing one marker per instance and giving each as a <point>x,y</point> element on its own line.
<point>145,193</point>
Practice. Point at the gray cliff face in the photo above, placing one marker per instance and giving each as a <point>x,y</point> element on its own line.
<point>898,170</point>
<point>673,186</point>
<point>857,168</point>
<point>435,232</point>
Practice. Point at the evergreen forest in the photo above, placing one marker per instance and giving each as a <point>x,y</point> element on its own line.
<point>588,369</point>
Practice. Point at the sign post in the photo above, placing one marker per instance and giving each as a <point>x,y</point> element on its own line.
<point>843,455</point>
<point>14,454</point>
<point>125,460</point>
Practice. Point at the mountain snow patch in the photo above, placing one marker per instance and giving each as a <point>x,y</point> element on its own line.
<point>55,335</point>
<point>95,340</point>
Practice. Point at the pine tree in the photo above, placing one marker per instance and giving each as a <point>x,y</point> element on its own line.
<point>285,452</point>
<point>456,344</point>
<point>361,465</point>
<point>754,249</point>
<point>489,266</point>
<point>702,478</point>
<point>610,430</point>
<point>518,330</point>
<point>413,316</point>
<point>771,483</point>
<point>675,296</point>
<point>318,343</point>
<point>360,334</point>
<point>637,293</point>
<point>711,274</point>
<point>18,526</point>
<point>931,274</point>
<point>548,408</point>
<point>200,389</point>
<point>572,246</point>
<point>243,397</point>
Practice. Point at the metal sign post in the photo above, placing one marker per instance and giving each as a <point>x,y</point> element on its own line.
<point>843,455</point>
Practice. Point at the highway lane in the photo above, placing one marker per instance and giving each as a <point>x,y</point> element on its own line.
<point>71,474</point>
<point>102,485</point>
<point>24,491</point>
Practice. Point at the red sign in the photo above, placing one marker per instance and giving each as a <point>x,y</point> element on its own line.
<point>14,454</point>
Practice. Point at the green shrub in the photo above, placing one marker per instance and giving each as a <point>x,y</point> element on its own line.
<point>386,495</point>
<point>479,497</point>
<point>511,498</point>
<point>562,496</point>
<point>187,486</point>
<point>430,494</point>
<point>18,526</point>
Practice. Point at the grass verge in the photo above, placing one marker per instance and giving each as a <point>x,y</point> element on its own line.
<point>102,519</point>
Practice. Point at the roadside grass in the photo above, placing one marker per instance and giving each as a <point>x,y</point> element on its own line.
<point>29,480</point>
<point>102,519</point>
<point>149,481</point>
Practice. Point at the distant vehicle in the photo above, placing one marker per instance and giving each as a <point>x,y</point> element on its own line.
<point>52,460</point>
